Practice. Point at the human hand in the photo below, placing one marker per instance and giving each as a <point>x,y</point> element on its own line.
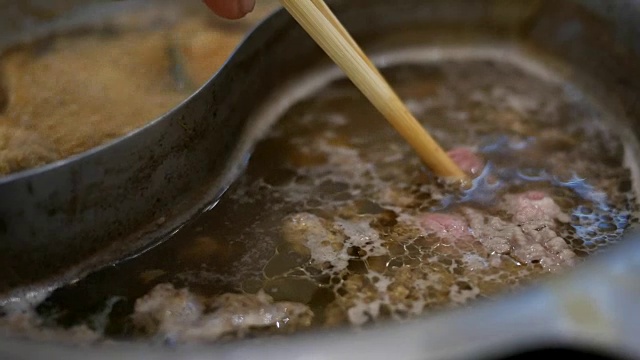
<point>231,9</point>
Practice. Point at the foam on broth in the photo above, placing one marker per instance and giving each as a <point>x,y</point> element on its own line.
<point>327,215</point>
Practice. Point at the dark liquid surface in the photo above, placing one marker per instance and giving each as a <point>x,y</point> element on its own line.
<point>336,159</point>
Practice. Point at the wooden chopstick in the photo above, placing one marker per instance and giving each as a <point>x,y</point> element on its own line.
<point>321,24</point>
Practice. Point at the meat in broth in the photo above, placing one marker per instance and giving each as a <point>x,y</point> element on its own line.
<point>335,221</point>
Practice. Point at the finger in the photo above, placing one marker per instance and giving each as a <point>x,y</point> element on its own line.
<point>231,9</point>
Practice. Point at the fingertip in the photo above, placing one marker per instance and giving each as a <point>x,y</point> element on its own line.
<point>247,6</point>
<point>231,9</point>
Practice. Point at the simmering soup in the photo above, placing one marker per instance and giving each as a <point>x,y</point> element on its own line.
<point>336,222</point>
<point>53,91</point>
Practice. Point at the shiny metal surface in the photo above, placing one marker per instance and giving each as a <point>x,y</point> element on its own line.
<point>60,221</point>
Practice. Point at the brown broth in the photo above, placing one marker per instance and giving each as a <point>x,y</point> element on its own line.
<point>143,64</point>
<point>334,157</point>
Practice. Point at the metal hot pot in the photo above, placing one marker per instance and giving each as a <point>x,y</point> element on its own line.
<point>61,221</point>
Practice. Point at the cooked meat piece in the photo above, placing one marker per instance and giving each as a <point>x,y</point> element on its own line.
<point>166,309</point>
<point>537,213</point>
<point>529,235</point>
<point>311,235</point>
<point>467,160</point>
<point>328,242</point>
<point>533,207</point>
<point>446,226</point>
<point>181,316</point>
<point>359,233</point>
<point>27,323</point>
<point>395,197</point>
<point>495,234</point>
